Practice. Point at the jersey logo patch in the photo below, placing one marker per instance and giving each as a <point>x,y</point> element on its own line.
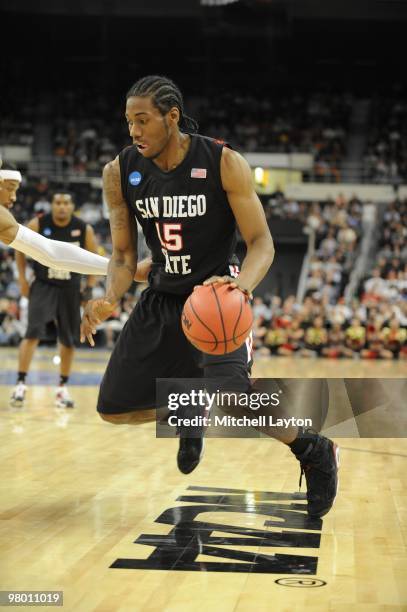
<point>198,173</point>
<point>135,178</point>
<point>76,232</point>
<point>47,231</point>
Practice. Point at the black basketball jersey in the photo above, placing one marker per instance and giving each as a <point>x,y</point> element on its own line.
<point>74,232</point>
<point>184,214</point>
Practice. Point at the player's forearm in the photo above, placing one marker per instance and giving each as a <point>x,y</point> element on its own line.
<point>120,274</point>
<point>55,254</point>
<point>8,234</point>
<point>21,263</point>
<point>259,257</point>
<point>60,255</point>
<point>8,226</point>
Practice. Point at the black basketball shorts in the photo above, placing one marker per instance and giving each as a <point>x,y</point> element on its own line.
<point>49,302</point>
<point>152,345</point>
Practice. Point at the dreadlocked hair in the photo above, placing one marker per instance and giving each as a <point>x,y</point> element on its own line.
<point>164,94</point>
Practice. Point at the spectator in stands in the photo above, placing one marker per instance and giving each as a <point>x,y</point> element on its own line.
<point>355,338</point>
<point>10,329</point>
<point>375,285</point>
<point>338,313</point>
<point>316,264</point>
<point>314,282</point>
<point>10,332</point>
<point>359,310</point>
<point>260,309</point>
<point>330,290</point>
<point>333,267</point>
<point>347,237</point>
<point>275,338</point>
<point>291,209</point>
<point>336,342</point>
<point>275,306</point>
<point>315,340</point>
<point>287,312</point>
<point>329,244</point>
<point>395,340</point>
<point>375,342</point>
<point>294,338</point>
<point>259,330</point>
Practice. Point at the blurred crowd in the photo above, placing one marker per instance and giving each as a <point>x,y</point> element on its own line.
<point>323,324</point>
<point>88,130</point>
<point>313,123</point>
<point>316,328</point>
<point>385,159</point>
<point>337,227</point>
<point>86,138</point>
<point>374,325</point>
<point>17,131</point>
<point>387,280</point>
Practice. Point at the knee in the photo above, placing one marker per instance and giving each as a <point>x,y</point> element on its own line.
<point>116,419</point>
<point>34,337</point>
<point>67,345</point>
<point>227,403</point>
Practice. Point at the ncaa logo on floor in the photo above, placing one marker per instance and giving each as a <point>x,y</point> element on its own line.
<point>191,538</point>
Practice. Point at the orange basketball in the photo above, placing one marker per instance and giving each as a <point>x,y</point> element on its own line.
<point>217,319</point>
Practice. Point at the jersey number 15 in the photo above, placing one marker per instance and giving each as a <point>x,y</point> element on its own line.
<point>170,238</point>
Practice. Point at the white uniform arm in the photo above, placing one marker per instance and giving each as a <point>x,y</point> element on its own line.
<point>58,254</point>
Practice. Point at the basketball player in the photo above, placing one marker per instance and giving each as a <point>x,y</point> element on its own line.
<point>188,192</point>
<point>52,253</point>
<point>10,180</point>
<point>54,295</point>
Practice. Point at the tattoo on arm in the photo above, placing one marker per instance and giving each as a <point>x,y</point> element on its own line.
<point>112,184</point>
<point>123,263</point>
<point>112,189</point>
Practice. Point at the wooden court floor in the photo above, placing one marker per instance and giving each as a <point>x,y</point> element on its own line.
<point>79,495</point>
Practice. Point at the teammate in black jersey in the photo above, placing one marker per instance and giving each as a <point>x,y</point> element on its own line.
<point>53,296</point>
<point>187,192</point>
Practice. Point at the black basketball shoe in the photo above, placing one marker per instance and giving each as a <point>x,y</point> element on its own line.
<point>320,463</point>
<point>189,455</point>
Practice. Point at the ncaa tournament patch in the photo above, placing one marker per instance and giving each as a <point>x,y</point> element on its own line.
<point>135,178</point>
<point>199,173</point>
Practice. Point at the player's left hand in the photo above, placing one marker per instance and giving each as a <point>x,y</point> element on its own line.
<point>94,313</point>
<point>229,280</point>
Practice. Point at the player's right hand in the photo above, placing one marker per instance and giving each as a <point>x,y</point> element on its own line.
<point>94,313</point>
<point>24,287</point>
